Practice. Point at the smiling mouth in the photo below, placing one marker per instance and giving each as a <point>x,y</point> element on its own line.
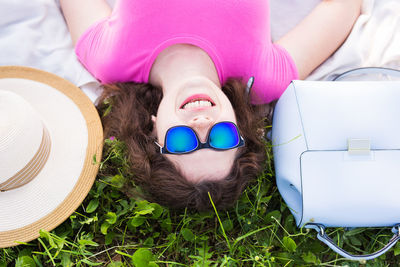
<point>197,102</point>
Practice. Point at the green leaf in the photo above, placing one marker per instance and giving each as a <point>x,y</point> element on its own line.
<point>309,257</point>
<point>106,112</point>
<point>93,204</point>
<point>118,181</point>
<point>289,244</point>
<point>111,217</point>
<point>355,231</point>
<point>203,237</point>
<point>144,212</point>
<point>289,223</point>
<point>149,242</point>
<point>47,236</point>
<point>228,225</point>
<point>3,263</point>
<point>65,259</point>
<point>158,210</point>
<point>115,264</point>
<point>188,234</point>
<point>94,160</point>
<point>123,208</point>
<point>25,261</point>
<point>271,215</point>
<point>137,221</point>
<point>355,241</point>
<point>397,249</point>
<point>25,252</point>
<point>166,224</point>
<point>109,238</point>
<point>143,208</point>
<point>85,242</point>
<point>265,199</point>
<point>142,257</point>
<point>104,227</point>
<point>88,262</point>
<point>100,189</point>
<point>89,220</point>
<point>115,194</point>
<point>171,237</point>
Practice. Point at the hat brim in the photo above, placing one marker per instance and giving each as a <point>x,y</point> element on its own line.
<point>77,137</point>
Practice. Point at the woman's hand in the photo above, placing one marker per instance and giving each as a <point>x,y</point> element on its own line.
<point>318,36</point>
<point>80,14</point>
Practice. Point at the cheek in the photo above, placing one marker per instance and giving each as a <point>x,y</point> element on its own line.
<point>159,132</point>
<point>165,120</point>
<point>229,114</point>
<point>161,121</point>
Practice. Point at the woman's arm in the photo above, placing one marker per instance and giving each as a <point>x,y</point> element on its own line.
<point>80,14</point>
<point>316,37</point>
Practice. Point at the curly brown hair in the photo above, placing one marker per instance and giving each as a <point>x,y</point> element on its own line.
<point>130,121</point>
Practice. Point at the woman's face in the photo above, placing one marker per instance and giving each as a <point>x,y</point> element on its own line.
<point>198,104</point>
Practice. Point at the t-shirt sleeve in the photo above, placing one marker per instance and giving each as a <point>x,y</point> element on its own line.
<point>102,48</point>
<point>92,49</point>
<point>274,73</point>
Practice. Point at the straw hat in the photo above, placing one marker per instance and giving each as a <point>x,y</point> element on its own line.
<point>49,134</point>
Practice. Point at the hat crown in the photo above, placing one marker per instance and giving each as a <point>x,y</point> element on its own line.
<point>21,132</point>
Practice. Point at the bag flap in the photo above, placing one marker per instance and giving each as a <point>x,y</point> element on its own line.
<point>333,112</point>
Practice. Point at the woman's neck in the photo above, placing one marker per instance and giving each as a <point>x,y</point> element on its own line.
<point>180,63</point>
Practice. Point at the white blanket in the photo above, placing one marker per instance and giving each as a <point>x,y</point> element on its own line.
<point>373,42</point>
<point>33,33</point>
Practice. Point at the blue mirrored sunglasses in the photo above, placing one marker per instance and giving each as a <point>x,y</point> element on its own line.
<point>182,139</point>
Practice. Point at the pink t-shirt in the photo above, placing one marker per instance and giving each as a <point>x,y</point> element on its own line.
<point>234,33</point>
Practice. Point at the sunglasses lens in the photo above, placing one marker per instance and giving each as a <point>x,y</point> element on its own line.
<point>180,140</point>
<point>224,135</point>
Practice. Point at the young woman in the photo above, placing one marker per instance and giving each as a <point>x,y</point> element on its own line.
<point>168,68</point>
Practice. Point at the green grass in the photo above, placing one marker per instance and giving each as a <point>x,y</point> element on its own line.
<point>114,226</point>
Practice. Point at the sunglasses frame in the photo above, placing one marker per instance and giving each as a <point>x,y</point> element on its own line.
<point>201,145</point>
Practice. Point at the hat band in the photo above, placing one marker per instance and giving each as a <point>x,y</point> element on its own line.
<point>34,166</point>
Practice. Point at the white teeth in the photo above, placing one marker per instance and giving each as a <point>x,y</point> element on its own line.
<point>198,103</point>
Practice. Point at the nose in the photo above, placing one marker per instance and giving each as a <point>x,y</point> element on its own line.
<point>201,124</point>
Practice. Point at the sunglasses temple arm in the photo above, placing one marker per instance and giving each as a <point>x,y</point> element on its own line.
<point>249,85</point>
<point>244,142</point>
<point>161,149</point>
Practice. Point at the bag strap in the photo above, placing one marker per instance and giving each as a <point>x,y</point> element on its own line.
<point>369,70</point>
<point>322,236</point>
